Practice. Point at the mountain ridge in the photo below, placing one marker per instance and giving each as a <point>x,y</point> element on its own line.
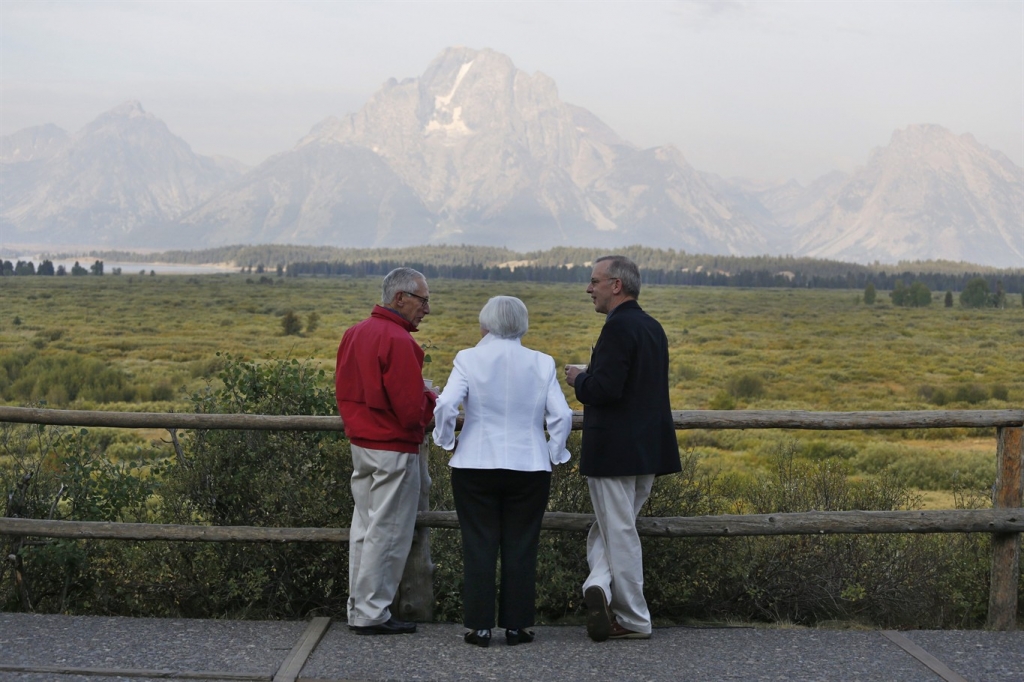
<point>479,152</point>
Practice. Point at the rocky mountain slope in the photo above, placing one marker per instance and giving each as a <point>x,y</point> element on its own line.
<point>123,174</point>
<point>929,194</point>
<point>476,151</point>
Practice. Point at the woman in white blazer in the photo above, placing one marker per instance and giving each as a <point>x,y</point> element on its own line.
<point>501,469</point>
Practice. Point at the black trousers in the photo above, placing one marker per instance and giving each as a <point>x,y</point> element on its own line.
<point>499,511</point>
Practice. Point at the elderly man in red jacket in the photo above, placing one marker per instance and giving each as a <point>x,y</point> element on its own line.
<point>386,408</point>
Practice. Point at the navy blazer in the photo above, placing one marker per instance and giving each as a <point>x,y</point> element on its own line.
<point>627,418</point>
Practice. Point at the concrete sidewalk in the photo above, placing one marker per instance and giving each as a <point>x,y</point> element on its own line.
<point>34,648</point>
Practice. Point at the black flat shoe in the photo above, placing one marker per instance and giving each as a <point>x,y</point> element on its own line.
<point>389,627</point>
<point>478,638</point>
<point>513,637</point>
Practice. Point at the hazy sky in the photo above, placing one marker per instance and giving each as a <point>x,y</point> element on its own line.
<point>759,89</point>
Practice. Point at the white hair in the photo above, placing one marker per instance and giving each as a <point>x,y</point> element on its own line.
<point>505,316</point>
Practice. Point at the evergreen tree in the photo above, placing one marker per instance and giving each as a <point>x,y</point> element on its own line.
<point>949,299</point>
<point>869,293</point>
<point>999,297</point>
<point>899,293</point>
<point>291,325</point>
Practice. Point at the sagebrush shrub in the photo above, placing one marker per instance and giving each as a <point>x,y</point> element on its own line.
<point>746,386</point>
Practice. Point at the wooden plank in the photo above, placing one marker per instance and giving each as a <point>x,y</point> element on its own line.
<point>170,420</point>
<point>101,530</point>
<point>1007,494</point>
<point>932,663</point>
<point>684,419</point>
<point>796,523</point>
<point>1009,520</point>
<point>297,657</point>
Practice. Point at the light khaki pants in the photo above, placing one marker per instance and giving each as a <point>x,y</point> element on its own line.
<point>613,547</point>
<point>385,493</point>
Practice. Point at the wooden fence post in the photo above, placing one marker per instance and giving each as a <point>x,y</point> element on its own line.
<point>1009,491</point>
<point>415,598</point>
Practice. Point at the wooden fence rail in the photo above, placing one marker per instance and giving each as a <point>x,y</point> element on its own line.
<point>725,525</point>
<point>684,419</point>
<point>1005,521</point>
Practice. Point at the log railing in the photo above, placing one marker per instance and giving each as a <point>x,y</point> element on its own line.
<point>1005,521</point>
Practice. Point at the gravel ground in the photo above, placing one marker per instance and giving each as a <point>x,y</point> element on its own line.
<point>437,652</point>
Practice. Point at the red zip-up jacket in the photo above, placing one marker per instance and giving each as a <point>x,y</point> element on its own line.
<point>378,382</point>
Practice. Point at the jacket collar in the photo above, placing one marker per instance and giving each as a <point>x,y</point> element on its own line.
<point>628,303</point>
<point>491,338</point>
<point>383,313</point>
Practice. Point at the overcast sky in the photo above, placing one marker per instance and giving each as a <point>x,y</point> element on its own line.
<point>759,89</point>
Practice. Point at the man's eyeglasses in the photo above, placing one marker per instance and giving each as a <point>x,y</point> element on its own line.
<point>595,282</point>
<point>424,299</point>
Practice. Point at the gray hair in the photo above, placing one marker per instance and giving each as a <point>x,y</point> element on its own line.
<point>399,279</point>
<point>626,271</point>
<point>505,317</point>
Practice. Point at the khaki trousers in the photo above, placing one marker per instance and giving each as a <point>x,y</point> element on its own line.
<point>385,494</point>
<point>613,547</point>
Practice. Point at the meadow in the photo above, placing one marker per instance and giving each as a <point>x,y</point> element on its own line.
<point>266,345</point>
<point>144,343</point>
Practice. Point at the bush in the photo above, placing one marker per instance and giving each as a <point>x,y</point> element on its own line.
<point>722,401</point>
<point>927,469</point>
<point>971,394</point>
<point>264,478</point>
<point>917,295</point>
<point>882,580</point>
<point>64,474</point>
<point>935,396</point>
<point>62,378</point>
<point>975,294</point>
<point>312,322</point>
<point>746,386</point>
<point>291,325</point>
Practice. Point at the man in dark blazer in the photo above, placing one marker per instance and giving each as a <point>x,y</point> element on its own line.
<point>628,439</point>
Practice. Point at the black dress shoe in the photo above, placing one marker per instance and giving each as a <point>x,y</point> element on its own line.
<point>388,627</point>
<point>513,637</point>
<point>478,638</point>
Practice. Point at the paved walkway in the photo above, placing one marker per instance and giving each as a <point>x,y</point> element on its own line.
<point>37,648</point>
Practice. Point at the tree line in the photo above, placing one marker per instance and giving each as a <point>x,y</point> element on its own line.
<point>569,264</point>
<point>8,269</point>
<point>1007,283</point>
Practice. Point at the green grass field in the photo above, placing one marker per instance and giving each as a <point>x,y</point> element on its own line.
<point>141,343</point>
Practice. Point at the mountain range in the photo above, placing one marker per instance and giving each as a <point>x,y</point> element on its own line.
<point>476,151</point>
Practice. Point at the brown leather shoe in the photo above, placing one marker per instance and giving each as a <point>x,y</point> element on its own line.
<point>619,632</point>
<point>599,616</point>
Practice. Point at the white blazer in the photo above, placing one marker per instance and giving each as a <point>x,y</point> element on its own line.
<point>509,392</point>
